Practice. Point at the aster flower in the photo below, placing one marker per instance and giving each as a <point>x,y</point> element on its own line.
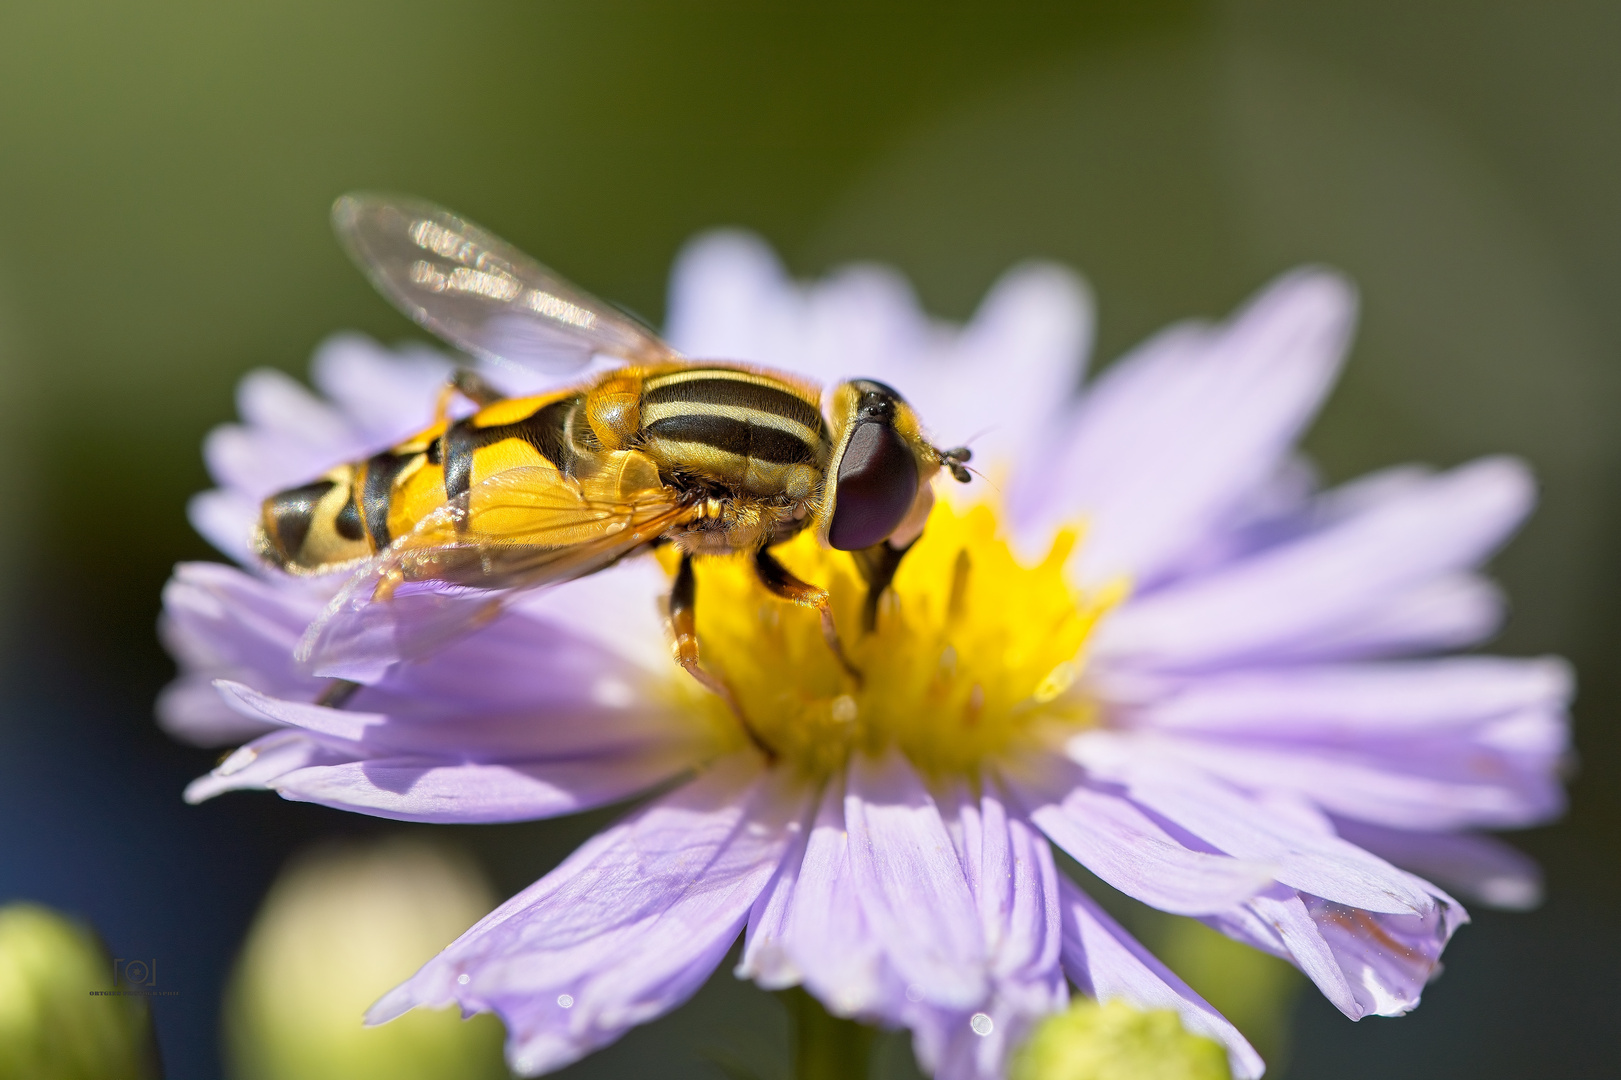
<point>1149,640</point>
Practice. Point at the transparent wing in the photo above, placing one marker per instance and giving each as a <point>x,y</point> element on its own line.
<point>519,529</point>
<point>480,293</point>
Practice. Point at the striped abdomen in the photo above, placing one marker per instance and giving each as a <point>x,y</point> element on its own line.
<point>734,429</point>
<point>356,510</point>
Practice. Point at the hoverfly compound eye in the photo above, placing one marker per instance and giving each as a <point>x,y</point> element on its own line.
<point>876,481</point>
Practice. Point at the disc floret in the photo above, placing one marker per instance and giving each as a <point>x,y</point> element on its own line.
<point>973,654</point>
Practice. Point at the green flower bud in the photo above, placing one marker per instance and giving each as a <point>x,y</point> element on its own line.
<point>338,929</point>
<point>1113,1041</point>
<point>51,1026</point>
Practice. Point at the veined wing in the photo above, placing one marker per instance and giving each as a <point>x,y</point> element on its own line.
<point>480,293</point>
<point>519,529</point>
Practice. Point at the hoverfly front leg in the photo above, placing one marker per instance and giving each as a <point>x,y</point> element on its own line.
<point>684,624</point>
<point>470,385</point>
<point>877,565</point>
<point>785,586</point>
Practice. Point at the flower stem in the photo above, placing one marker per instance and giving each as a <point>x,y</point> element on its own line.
<point>825,1047</point>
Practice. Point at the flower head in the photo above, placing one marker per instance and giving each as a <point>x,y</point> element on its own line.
<point>1149,640</point>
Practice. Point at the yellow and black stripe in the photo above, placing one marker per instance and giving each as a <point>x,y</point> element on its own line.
<point>711,429</point>
<point>734,428</point>
<point>357,510</point>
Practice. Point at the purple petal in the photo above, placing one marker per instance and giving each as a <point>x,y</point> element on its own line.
<point>260,762</point>
<point>260,459</point>
<point>1503,775</point>
<point>373,764</point>
<point>407,789</point>
<point>727,293</point>
<point>731,298</point>
<point>1320,582</point>
<point>226,519</point>
<point>1364,963</point>
<point>1452,611</point>
<point>1106,963</point>
<point>1114,839</point>
<point>911,884</point>
<point>1025,348</point>
<point>1011,873</point>
<point>1300,846</point>
<point>627,928</point>
<point>824,936</point>
<point>385,394</point>
<point>219,622</point>
<point>1480,868</point>
<point>1196,418</point>
<point>1349,702</point>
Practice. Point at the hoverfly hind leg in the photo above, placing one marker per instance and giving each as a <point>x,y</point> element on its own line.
<point>779,582</point>
<point>684,625</point>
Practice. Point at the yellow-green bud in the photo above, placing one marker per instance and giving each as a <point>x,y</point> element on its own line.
<point>1114,1041</point>
<point>338,929</point>
<point>51,1026</point>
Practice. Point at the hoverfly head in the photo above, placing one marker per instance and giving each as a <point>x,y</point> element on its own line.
<point>877,480</point>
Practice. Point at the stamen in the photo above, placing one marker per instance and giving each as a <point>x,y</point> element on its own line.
<point>976,653</point>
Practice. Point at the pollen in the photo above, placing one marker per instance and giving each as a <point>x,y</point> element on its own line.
<point>974,653</point>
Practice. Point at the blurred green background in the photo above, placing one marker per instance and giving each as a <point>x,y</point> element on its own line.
<point>165,170</point>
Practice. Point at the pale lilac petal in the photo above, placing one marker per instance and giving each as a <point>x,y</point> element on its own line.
<point>766,955</point>
<point>261,761</point>
<point>276,403</point>
<point>407,789</point>
<point>628,605</point>
<point>627,928</point>
<point>289,436</point>
<point>731,300</point>
<point>1107,963</point>
<point>1015,883</point>
<point>1166,443</point>
<point>1364,963</point>
<point>554,734</point>
<point>1117,841</point>
<point>226,519</point>
<point>825,937</point>
<point>494,771</point>
<point>385,394</point>
<point>1503,776</point>
<point>1452,611</point>
<point>728,295</point>
<point>219,622</point>
<point>1347,703</point>
<point>910,883</point>
<point>1301,847</point>
<point>1024,349</point>
<point>1324,580</point>
<point>1479,868</point>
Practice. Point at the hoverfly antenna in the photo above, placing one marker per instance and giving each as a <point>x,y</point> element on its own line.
<point>955,460</point>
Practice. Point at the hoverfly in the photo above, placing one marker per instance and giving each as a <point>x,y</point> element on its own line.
<point>713,458</point>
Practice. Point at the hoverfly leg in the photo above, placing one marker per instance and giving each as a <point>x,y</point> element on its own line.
<point>785,586</point>
<point>470,385</point>
<point>684,624</point>
<point>337,693</point>
<point>877,565</point>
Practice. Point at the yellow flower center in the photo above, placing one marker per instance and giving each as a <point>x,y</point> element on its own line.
<point>973,653</point>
